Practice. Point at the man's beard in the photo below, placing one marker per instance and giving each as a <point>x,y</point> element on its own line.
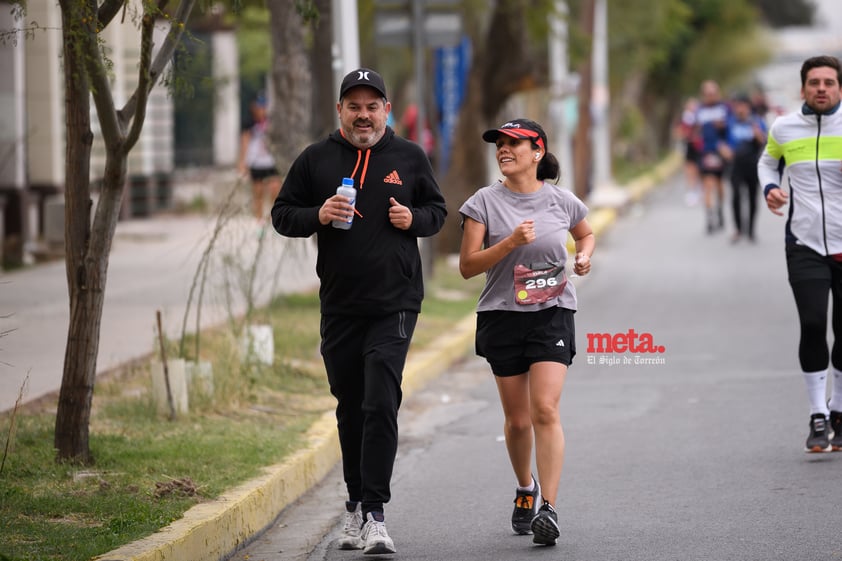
<point>366,140</point>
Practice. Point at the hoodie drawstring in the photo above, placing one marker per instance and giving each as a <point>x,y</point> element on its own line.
<point>362,176</point>
<point>365,168</point>
<point>357,165</point>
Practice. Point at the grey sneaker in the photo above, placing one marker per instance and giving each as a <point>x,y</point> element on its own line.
<point>836,429</point>
<point>819,439</point>
<point>374,536</point>
<point>545,525</point>
<point>526,506</point>
<point>350,538</point>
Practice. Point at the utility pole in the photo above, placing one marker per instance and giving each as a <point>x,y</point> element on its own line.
<point>419,49</point>
<point>602,177</point>
<point>559,90</point>
<point>583,143</point>
<point>345,50</point>
<point>419,46</point>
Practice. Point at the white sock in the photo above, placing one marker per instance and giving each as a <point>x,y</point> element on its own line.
<point>817,391</point>
<point>835,403</point>
<point>529,488</point>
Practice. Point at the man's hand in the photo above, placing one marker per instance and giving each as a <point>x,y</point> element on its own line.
<point>399,215</point>
<point>776,199</point>
<point>335,208</point>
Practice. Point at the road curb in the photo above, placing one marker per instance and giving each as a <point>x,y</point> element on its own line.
<point>641,185</point>
<point>218,529</point>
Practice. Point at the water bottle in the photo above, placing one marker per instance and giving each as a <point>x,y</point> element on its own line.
<point>346,190</point>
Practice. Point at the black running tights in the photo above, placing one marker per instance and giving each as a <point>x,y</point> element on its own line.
<point>813,278</point>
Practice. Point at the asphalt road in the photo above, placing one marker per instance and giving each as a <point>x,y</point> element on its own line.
<point>697,456</point>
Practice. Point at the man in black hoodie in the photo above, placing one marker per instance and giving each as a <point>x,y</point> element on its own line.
<point>371,282</point>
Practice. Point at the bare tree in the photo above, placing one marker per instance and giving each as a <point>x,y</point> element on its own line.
<point>88,244</point>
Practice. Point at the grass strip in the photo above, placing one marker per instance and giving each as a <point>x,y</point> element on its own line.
<point>150,470</point>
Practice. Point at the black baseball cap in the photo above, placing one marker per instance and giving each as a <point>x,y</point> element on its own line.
<point>519,128</point>
<point>362,77</point>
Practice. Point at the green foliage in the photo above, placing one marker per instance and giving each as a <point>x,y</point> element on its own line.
<point>308,10</point>
<point>728,47</point>
<point>194,89</point>
<point>54,511</point>
<point>642,33</point>
<point>255,46</point>
<point>718,41</point>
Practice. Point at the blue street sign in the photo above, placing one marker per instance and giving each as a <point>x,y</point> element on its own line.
<point>451,78</point>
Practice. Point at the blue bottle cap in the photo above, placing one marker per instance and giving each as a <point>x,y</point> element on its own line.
<point>348,181</point>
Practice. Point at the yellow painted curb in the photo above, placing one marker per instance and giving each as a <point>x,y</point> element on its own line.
<point>641,185</point>
<point>216,529</point>
<point>599,219</point>
<point>431,361</point>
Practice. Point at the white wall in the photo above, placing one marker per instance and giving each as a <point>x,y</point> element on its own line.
<point>44,95</point>
<point>12,108</point>
<point>226,129</point>
<point>153,152</point>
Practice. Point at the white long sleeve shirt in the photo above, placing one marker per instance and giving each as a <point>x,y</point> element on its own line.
<point>809,147</point>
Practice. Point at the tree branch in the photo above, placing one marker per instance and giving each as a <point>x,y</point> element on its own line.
<point>107,11</point>
<point>143,81</point>
<point>164,55</point>
<point>112,132</point>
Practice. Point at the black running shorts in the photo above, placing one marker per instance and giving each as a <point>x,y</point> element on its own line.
<point>259,174</point>
<point>512,341</point>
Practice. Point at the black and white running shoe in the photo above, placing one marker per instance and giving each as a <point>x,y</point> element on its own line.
<point>819,439</point>
<point>545,525</point>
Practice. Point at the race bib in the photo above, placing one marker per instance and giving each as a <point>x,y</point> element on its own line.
<point>712,161</point>
<point>538,282</point>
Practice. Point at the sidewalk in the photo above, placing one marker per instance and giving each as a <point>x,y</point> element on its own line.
<point>217,529</point>
<point>152,267</point>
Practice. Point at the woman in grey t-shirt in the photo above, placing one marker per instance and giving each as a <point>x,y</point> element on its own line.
<point>515,231</point>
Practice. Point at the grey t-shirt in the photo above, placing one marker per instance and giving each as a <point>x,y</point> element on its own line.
<point>554,211</point>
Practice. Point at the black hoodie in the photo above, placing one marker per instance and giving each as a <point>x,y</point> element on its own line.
<point>373,268</point>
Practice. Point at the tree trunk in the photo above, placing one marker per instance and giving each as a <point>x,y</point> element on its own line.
<point>582,148</point>
<point>507,41</point>
<point>88,247</point>
<point>487,92</point>
<point>468,170</point>
<point>290,115</point>
<point>324,94</point>
<point>71,430</point>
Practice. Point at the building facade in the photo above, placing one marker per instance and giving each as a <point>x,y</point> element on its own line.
<point>32,126</point>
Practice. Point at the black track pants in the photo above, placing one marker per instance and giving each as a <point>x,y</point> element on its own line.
<point>744,186</point>
<point>364,358</point>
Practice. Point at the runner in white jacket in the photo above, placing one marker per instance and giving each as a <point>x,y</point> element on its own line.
<point>807,144</point>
